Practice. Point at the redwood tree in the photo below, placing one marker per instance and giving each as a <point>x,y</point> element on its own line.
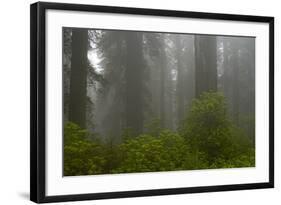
<point>78,77</point>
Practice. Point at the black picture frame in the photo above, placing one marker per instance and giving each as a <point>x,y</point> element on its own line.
<point>38,101</point>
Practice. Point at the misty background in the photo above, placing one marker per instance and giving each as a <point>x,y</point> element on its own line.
<point>128,81</point>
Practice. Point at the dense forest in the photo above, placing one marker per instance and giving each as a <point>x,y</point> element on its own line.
<point>148,101</point>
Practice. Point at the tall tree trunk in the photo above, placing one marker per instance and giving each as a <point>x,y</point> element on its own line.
<point>169,123</point>
<point>180,80</point>
<point>205,64</point>
<point>231,75</point>
<point>134,82</point>
<point>251,103</point>
<point>235,85</point>
<point>226,69</point>
<point>78,78</point>
<point>162,86</point>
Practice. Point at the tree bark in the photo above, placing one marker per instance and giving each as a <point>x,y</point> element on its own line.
<point>134,82</point>
<point>205,64</point>
<point>78,77</point>
<point>235,86</point>
<point>180,80</point>
<point>162,86</point>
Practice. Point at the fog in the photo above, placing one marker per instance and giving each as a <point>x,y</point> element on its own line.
<point>120,82</point>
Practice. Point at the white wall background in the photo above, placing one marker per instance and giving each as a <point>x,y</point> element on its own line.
<point>14,101</point>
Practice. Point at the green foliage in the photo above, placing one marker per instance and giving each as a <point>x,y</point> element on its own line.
<point>244,160</point>
<point>128,133</point>
<point>206,139</point>
<point>112,157</point>
<point>167,151</point>
<point>154,127</point>
<point>247,123</point>
<point>209,131</point>
<point>81,155</point>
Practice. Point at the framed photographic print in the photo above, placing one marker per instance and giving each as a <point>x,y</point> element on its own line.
<point>129,102</point>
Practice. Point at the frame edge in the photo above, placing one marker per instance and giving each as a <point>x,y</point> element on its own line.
<point>271,101</point>
<point>37,103</point>
<point>33,104</point>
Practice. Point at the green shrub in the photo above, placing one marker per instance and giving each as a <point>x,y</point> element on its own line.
<point>82,156</point>
<point>211,135</point>
<point>154,127</point>
<point>206,139</point>
<point>145,153</point>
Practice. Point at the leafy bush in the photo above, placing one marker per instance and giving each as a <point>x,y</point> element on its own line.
<point>154,127</point>
<point>212,136</point>
<point>206,139</point>
<point>81,155</point>
<point>165,152</point>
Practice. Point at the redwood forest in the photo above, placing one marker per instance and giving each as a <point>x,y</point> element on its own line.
<point>138,101</point>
